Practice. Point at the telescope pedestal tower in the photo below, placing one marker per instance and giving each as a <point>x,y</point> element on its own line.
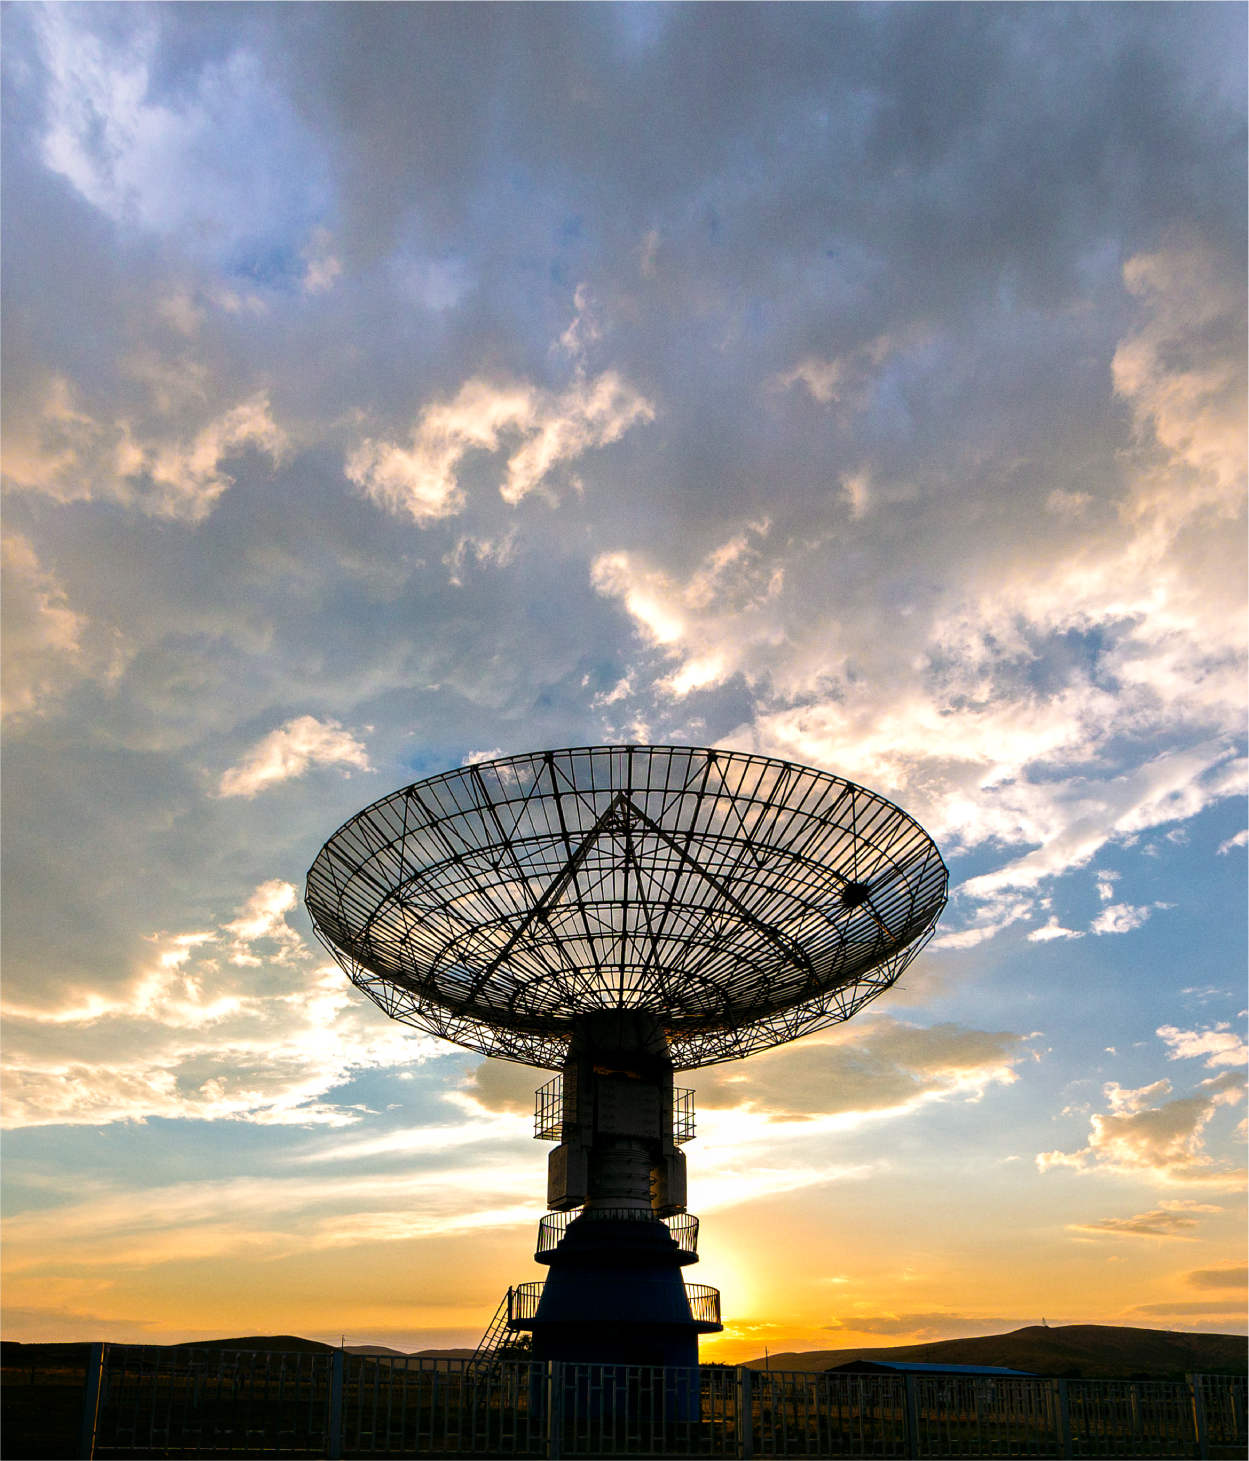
<point>615,1294</point>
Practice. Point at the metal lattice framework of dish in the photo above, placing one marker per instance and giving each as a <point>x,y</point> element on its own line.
<point>741,900</point>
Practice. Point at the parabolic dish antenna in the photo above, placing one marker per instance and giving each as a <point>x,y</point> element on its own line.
<point>738,900</point>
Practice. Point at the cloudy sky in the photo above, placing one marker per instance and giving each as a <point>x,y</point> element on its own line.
<point>387,386</point>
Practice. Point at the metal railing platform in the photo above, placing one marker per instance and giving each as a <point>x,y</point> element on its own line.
<point>523,1300</point>
<point>683,1225</point>
<point>548,1112</point>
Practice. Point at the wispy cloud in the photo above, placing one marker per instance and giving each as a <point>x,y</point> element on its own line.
<point>1229,1276</point>
<point>289,751</point>
<point>924,1326</point>
<point>1182,1308</point>
<point>1167,1220</point>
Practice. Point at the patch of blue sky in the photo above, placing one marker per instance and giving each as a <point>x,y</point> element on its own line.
<point>640,28</point>
<point>219,163</point>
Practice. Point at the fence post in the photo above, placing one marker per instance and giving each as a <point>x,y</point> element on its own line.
<point>91,1401</point>
<point>555,1409</point>
<point>1199,1415</point>
<point>745,1413</point>
<point>912,1417</point>
<point>1064,1418</point>
<point>334,1441</point>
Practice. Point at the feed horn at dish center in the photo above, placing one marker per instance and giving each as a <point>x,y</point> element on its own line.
<point>619,914</point>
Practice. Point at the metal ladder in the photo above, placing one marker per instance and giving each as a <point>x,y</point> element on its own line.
<point>495,1340</point>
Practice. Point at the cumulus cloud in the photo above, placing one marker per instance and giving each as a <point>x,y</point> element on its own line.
<point>1119,918</point>
<point>881,1065</point>
<point>422,479</point>
<point>184,479</point>
<point>42,641</point>
<point>964,715</point>
<point>324,266</point>
<point>1220,1046</point>
<point>262,919</point>
<point>713,621</point>
<point>289,751</point>
<point>231,1023</point>
<point>1145,1135</point>
<point>848,380</point>
<point>500,1085</point>
<point>764,1124</point>
<point>59,449</point>
<point>1052,930</point>
<point>1241,839</point>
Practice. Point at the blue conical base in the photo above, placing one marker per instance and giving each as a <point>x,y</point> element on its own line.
<point>615,1296</point>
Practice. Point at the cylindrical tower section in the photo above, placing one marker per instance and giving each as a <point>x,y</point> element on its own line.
<point>615,1294</point>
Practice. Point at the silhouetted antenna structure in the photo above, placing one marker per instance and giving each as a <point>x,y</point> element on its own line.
<point>618,913</point>
<point>739,900</point>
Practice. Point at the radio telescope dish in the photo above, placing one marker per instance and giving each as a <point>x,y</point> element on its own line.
<point>736,900</point>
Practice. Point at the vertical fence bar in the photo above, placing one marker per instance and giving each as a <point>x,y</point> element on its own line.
<point>554,1408</point>
<point>912,1417</point>
<point>1064,1419</point>
<point>1199,1415</point>
<point>334,1441</point>
<point>91,1401</point>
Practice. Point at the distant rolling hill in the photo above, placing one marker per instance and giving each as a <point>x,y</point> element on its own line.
<point>292,1342</point>
<point>285,1342</point>
<point>1097,1351</point>
<point>380,1351</point>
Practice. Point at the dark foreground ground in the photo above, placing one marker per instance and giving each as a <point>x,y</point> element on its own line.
<point>41,1388</point>
<point>41,1385</point>
<point>40,1399</point>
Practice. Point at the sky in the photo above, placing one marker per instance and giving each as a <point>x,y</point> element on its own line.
<point>389,387</point>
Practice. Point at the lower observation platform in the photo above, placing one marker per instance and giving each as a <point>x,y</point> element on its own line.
<point>704,1306</point>
<point>615,1294</point>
